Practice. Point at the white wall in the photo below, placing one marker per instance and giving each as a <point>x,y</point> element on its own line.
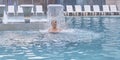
<point>1,1</point>
<point>114,2</point>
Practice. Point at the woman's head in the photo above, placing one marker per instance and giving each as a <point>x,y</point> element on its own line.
<point>54,23</point>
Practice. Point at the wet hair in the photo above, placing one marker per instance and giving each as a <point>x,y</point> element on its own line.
<point>53,21</point>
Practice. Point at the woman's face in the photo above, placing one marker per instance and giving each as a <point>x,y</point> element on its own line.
<point>54,23</point>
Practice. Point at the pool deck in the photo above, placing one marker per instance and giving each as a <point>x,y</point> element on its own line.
<point>17,23</point>
<point>35,26</point>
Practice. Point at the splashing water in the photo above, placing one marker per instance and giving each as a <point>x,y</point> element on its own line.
<point>55,12</point>
<point>19,38</point>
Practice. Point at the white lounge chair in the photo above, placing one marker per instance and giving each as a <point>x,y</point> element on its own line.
<point>113,10</point>
<point>39,9</point>
<point>87,10</point>
<point>20,10</point>
<point>69,10</point>
<point>11,10</point>
<point>106,10</point>
<point>96,10</point>
<point>78,10</point>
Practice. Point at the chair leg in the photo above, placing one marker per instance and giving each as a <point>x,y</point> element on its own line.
<point>85,13</point>
<point>95,13</point>
<point>67,14</point>
<point>119,13</point>
<point>74,14</point>
<point>1,21</point>
<point>103,13</point>
<point>64,14</point>
<point>77,14</point>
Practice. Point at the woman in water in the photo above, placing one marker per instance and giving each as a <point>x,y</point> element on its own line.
<point>54,27</point>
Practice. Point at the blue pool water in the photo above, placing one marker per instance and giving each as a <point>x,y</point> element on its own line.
<point>86,38</point>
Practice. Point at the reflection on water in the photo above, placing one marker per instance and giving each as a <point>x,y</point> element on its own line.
<point>90,38</point>
<point>93,23</point>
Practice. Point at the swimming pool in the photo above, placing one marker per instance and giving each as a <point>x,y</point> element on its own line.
<point>86,38</point>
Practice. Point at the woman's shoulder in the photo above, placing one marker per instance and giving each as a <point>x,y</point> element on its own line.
<point>55,31</point>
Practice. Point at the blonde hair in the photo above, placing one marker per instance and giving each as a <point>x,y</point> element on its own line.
<point>53,21</point>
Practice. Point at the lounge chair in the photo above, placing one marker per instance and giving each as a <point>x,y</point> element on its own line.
<point>20,10</point>
<point>106,10</point>
<point>78,10</point>
<point>96,10</point>
<point>69,10</point>
<point>39,10</point>
<point>113,10</point>
<point>11,10</point>
<point>87,10</point>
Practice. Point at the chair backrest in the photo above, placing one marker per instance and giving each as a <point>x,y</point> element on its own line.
<point>96,8</point>
<point>20,9</point>
<point>69,8</point>
<point>106,8</point>
<point>87,8</point>
<point>2,5</point>
<point>39,8</point>
<point>11,9</point>
<point>113,8</point>
<point>78,8</point>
